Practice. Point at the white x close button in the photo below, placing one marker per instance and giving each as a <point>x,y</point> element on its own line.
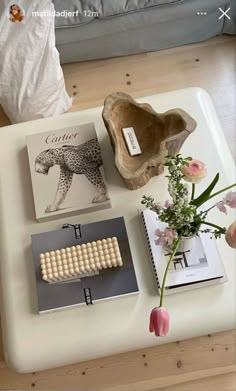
<point>224,13</point>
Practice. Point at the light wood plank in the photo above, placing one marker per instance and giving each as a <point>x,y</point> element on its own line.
<point>225,382</point>
<point>142,370</point>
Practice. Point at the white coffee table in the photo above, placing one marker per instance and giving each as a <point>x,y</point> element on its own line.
<point>34,342</point>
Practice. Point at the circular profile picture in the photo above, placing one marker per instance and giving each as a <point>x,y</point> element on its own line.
<point>16,13</point>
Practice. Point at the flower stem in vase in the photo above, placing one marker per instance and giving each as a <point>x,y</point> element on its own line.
<point>167,267</point>
<point>193,191</point>
<point>214,226</point>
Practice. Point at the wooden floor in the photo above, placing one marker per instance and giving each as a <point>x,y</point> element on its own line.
<point>200,364</point>
<point>207,363</point>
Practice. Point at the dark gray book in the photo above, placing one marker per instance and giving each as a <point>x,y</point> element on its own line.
<point>107,284</point>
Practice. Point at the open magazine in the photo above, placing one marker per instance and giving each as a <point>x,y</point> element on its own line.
<point>190,269</point>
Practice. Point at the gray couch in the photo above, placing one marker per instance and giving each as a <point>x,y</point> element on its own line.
<point>107,28</point>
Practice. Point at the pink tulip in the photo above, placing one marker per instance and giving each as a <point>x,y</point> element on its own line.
<point>159,321</point>
<point>194,171</point>
<point>230,235</point>
<point>230,199</point>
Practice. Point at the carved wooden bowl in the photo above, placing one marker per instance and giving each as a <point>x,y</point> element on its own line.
<point>158,135</point>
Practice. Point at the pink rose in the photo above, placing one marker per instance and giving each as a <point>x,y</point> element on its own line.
<point>230,235</point>
<point>159,321</point>
<point>194,171</point>
<point>230,199</point>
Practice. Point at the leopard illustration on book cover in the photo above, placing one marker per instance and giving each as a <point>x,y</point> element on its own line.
<point>84,159</point>
<point>74,179</point>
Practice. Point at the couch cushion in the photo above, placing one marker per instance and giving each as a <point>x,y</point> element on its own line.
<point>75,12</point>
